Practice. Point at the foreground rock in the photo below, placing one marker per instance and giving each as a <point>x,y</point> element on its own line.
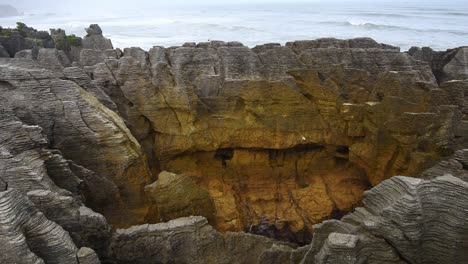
<point>399,223</point>
<point>85,132</point>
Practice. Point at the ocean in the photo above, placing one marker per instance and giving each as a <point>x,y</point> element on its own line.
<point>440,27</point>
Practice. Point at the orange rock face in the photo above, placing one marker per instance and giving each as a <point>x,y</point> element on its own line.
<point>293,188</point>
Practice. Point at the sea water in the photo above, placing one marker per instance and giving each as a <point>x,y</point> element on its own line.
<point>403,25</point>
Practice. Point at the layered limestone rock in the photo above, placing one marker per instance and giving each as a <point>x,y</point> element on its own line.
<point>289,135</point>
<point>451,64</point>
<point>192,240</point>
<point>54,185</point>
<point>405,220</point>
<point>456,165</point>
<point>74,122</point>
<point>27,236</point>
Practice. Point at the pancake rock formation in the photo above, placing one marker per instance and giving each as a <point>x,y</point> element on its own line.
<point>220,153</point>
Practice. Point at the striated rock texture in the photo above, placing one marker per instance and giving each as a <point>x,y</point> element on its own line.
<point>192,240</point>
<point>85,132</point>
<point>405,220</point>
<point>28,237</point>
<point>271,140</point>
<point>286,135</point>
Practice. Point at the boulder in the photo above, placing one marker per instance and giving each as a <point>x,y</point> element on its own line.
<point>175,196</point>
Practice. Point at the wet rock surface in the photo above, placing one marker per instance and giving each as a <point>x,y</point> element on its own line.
<point>271,140</point>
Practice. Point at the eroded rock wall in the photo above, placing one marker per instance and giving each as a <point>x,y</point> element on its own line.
<point>272,130</point>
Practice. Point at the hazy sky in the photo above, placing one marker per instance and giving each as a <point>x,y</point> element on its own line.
<point>92,5</point>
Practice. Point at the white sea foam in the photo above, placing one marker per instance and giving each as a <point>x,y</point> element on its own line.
<point>404,26</point>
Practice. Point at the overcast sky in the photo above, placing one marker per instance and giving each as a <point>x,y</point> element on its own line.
<point>92,5</point>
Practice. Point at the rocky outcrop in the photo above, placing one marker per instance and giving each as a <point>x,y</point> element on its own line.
<point>285,125</point>
<point>456,165</point>
<point>95,40</point>
<point>446,65</point>
<point>3,52</point>
<point>86,132</point>
<point>53,184</point>
<point>192,240</point>
<point>25,42</point>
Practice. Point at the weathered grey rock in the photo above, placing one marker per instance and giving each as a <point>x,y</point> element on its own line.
<point>39,173</point>
<point>192,240</point>
<point>4,52</point>
<point>90,57</point>
<point>451,64</point>
<point>157,55</point>
<point>138,54</point>
<point>400,223</point>
<point>184,240</point>
<point>3,185</point>
<point>53,59</point>
<point>260,132</point>
<point>84,131</point>
<point>97,43</point>
<point>78,76</point>
<point>94,30</point>
<point>24,54</point>
<point>87,256</point>
<point>331,43</point>
<point>27,236</point>
<point>456,165</point>
<point>95,40</point>
<point>16,42</point>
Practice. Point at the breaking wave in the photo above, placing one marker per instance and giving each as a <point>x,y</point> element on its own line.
<point>372,26</point>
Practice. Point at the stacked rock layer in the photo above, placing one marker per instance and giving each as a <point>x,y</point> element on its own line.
<point>271,140</point>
